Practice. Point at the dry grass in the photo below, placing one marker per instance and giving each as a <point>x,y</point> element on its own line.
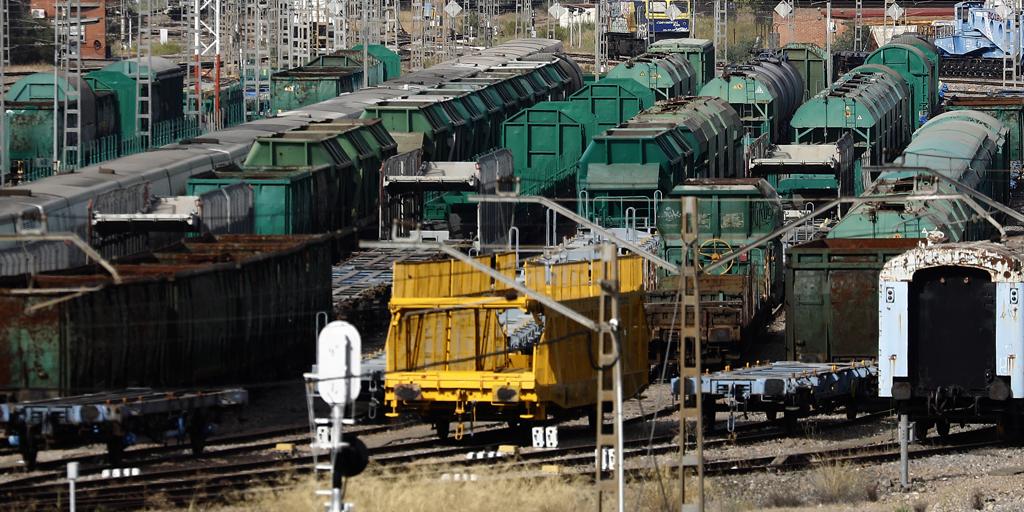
<point>424,489</point>
<point>839,483</point>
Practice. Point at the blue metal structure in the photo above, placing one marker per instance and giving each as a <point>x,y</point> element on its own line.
<point>978,30</point>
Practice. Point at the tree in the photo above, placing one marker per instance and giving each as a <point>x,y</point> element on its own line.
<point>31,39</point>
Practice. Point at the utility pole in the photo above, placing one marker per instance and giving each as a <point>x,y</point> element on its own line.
<point>691,464</point>
<point>721,37</point>
<point>205,41</point>
<point>828,41</point>
<point>366,46</point>
<point>609,387</point>
<point>5,55</point>
<point>858,26</point>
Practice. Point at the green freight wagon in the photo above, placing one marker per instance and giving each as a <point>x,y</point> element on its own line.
<point>811,61</point>
<point>486,97</point>
<point>323,78</point>
<point>699,52</point>
<point>546,77</point>
<point>917,71</point>
<point>736,299</point>
<point>614,100</point>
<point>390,60</point>
<point>832,297</point>
<point>872,102</point>
<point>668,75</point>
<point>284,199</point>
<point>30,121</point>
<point>340,181</point>
<point>364,150</point>
<point>1008,109</point>
<point>712,130</point>
<point>930,51</point>
<point>764,92</point>
<point>427,119</point>
<point>625,172</point>
<point>166,95</point>
<point>546,142</point>
<point>966,147</point>
<point>474,113</point>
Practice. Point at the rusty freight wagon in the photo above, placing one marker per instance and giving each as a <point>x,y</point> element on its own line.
<point>463,348</point>
<point>230,309</point>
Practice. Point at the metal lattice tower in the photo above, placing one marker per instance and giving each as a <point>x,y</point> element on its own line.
<point>602,20</point>
<point>392,23</point>
<point>691,463</point>
<point>5,60</point>
<point>791,20</point>
<point>721,37</point>
<point>205,44</point>
<point>418,36</point>
<point>143,81</point>
<point>610,474</point>
<point>1012,54</point>
<point>69,35</point>
<point>858,26</point>
<point>486,14</point>
<point>255,61</point>
<point>5,30</point>
<point>523,8</point>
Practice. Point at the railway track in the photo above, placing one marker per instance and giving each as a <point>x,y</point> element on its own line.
<point>189,483</point>
<point>209,482</point>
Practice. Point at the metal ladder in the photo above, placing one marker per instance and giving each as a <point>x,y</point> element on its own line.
<point>1011,58</point>
<point>193,66</point>
<point>70,48</point>
<point>144,81</point>
<point>858,26</point>
<point>255,57</point>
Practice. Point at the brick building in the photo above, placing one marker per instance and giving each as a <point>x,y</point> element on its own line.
<point>94,24</point>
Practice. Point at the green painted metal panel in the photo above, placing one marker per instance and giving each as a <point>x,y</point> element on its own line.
<point>811,61</point>
<point>546,142</point>
<point>283,201</point>
<point>424,117</point>
<point>392,62</point>
<point>668,75</point>
<point>871,102</point>
<point>614,100</point>
<point>832,297</point>
<point>699,52</point>
<point>1009,110</point>
<point>915,68</point>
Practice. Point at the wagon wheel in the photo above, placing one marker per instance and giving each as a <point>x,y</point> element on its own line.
<point>713,250</point>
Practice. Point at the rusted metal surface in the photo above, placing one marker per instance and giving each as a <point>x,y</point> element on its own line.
<point>1002,263</point>
<point>832,297</point>
<point>209,311</point>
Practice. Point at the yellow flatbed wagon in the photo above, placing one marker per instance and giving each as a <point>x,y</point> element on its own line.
<point>462,347</point>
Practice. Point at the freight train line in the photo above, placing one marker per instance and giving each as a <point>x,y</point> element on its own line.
<point>247,443</point>
<point>187,479</point>
<point>750,433</point>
